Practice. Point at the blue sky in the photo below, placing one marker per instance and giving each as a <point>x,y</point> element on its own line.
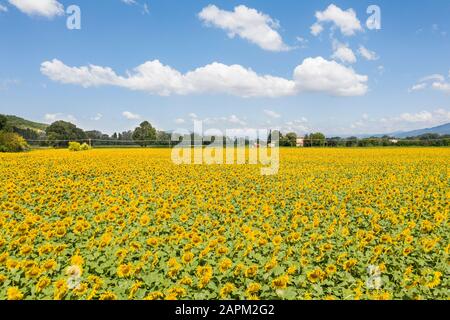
<point>273,73</point>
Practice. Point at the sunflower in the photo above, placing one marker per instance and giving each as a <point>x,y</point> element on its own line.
<point>124,270</point>
<point>251,272</point>
<point>226,290</point>
<point>108,296</point>
<point>42,283</point>
<point>347,265</point>
<point>280,282</point>
<point>13,293</point>
<point>225,264</point>
<point>330,269</point>
<point>187,257</point>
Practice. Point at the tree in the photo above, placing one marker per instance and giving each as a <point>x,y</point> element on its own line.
<point>351,141</point>
<point>59,131</point>
<point>144,133</point>
<point>334,141</point>
<point>12,142</point>
<point>163,138</point>
<point>314,140</point>
<point>3,121</point>
<point>291,138</point>
<point>94,134</point>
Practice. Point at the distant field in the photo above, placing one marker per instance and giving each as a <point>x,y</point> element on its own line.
<point>129,224</point>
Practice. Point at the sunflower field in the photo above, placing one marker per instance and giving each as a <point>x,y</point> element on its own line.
<point>129,224</point>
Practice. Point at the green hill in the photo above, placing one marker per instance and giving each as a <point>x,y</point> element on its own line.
<point>21,123</point>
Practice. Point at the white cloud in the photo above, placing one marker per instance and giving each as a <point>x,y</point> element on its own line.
<point>403,122</point>
<point>417,87</point>
<point>237,80</point>
<point>367,54</point>
<point>272,114</point>
<point>423,116</point>
<point>314,74</point>
<point>343,53</point>
<point>97,117</point>
<point>193,115</point>
<point>45,8</point>
<point>346,21</point>
<point>145,9</point>
<point>441,86</point>
<point>179,121</point>
<point>316,29</point>
<point>434,81</point>
<point>320,75</point>
<point>159,79</point>
<point>131,116</point>
<point>433,77</point>
<point>444,114</point>
<point>234,119</point>
<point>144,6</point>
<point>52,117</point>
<point>3,8</point>
<point>298,126</point>
<point>248,24</point>
<point>302,42</point>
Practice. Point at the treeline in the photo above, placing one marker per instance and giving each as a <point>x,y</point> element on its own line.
<point>318,139</point>
<point>60,133</point>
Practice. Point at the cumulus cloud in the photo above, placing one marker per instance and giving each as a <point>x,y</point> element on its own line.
<point>343,53</point>
<point>434,81</point>
<point>52,117</point>
<point>235,119</point>
<point>345,20</point>
<point>179,121</point>
<point>316,29</point>
<point>441,86</point>
<point>423,116</point>
<point>232,119</point>
<point>320,75</point>
<point>131,116</point>
<point>156,78</point>
<point>247,23</point>
<point>403,122</point>
<point>367,54</point>
<point>45,8</point>
<point>272,113</point>
<point>314,74</point>
<point>298,126</point>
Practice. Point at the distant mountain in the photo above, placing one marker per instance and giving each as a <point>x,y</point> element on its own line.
<point>442,129</point>
<point>21,123</point>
